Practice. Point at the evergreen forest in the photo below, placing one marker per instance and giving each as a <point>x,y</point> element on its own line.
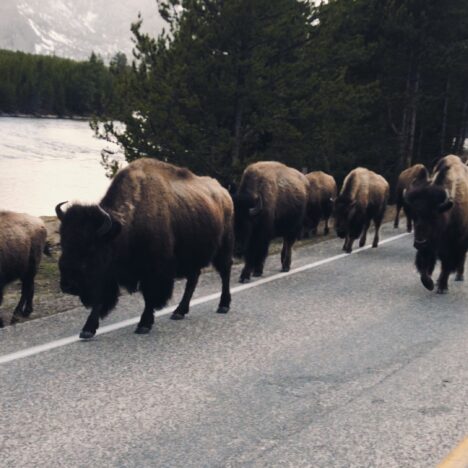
<point>331,85</point>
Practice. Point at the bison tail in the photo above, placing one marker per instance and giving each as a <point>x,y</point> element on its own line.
<point>47,250</point>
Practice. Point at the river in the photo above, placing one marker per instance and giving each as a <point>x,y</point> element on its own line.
<point>46,161</point>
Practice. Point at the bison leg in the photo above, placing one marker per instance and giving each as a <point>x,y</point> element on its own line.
<point>377,223</point>
<point>223,265</point>
<point>1,300</point>
<point>425,263</point>
<point>25,306</point>
<point>245,273</point>
<point>362,240</point>
<point>258,270</point>
<point>460,276</point>
<point>156,291</point>
<point>348,244</point>
<point>91,325</point>
<point>286,254</point>
<point>326,231</point>
<point>397,216</point>
<point>183,307</point>
<point>442,281</point>
<point>255,257</point>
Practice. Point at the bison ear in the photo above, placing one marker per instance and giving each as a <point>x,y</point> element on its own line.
<point>446,204</point>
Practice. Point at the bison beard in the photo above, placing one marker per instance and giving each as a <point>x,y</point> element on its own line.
<point>156,223</point>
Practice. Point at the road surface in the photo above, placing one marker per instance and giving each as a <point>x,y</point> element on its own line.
<point>348,362</point>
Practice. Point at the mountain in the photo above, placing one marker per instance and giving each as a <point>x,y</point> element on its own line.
<point>74,28</point>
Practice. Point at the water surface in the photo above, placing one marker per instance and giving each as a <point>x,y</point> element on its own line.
<point>46,161</point>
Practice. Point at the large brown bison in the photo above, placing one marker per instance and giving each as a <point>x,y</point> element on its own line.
<point>363,198</point>
<point>271,201</point>
<point>439,207</point>
<point>404,181</point>
<point>23,239</point>
<point>322,194</point>
<point>157,222</point>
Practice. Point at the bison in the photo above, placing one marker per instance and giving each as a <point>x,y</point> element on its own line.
<point>156,222</point>
<point>439,207</point>
<point>404,181</point>
<point>363,198</point>
<point>322,194</point>
<point>271,201</point>
<point>23,240</point>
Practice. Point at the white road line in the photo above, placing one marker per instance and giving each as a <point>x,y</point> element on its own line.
<point>167,310</point>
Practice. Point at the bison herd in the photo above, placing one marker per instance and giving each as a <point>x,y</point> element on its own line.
<point>158,222</point>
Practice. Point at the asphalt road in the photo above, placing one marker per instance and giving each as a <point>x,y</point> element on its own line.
<point>349,363</point>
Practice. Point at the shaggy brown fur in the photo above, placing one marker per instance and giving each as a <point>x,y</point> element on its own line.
<point>271,202</point>
<point>165,223</point>
<point>404,181</point>
<point>322,194</point>
<point>363,198</point>
<point>23,239</point>
<point>439,207</point>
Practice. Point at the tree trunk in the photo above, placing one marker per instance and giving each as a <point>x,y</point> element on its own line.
<point>413,116</point>
<point>460,141</point>
<point>237,134</point>
<point>444,119</point>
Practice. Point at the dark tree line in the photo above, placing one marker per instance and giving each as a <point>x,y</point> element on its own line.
<point>40,85</point>
<point>378,83</point>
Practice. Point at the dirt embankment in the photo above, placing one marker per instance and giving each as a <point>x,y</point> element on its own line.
<point>49,300</point>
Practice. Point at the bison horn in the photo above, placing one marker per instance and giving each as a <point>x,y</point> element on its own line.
<point>107,223</point>
<point>255,210</point>
<point>58,210</point>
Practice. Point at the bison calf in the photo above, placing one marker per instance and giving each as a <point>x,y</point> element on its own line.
<point>157,222</point>
<point>271,201</point>
<point>439,207</point>
<point>405,179</point>
<point>322,194</point>
<point>363,198</point>
<point>23,239</point>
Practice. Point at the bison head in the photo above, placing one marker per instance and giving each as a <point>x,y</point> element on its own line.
<point>86,262</point>
<point>428,205</point>
<point>246,210</point>
<point>345,214</point>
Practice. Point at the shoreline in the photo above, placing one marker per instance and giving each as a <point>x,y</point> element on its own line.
<point>47,117</point>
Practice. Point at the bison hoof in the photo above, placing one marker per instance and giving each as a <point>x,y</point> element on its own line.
<point>86,334</point>
<point>375,245</point>
<point>177,316</point>
<point>142,330</point>
<point>285,269</point>
<point>222,310</point>
<point>348,250</point>
<point>257,273</point>
<point>427,282</point>
<point>244,280</point>
<point>1,323</point>
<point>442,290</point>
<point>459,278</point>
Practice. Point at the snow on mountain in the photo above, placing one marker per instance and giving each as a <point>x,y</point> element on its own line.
<point>74,28</point>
